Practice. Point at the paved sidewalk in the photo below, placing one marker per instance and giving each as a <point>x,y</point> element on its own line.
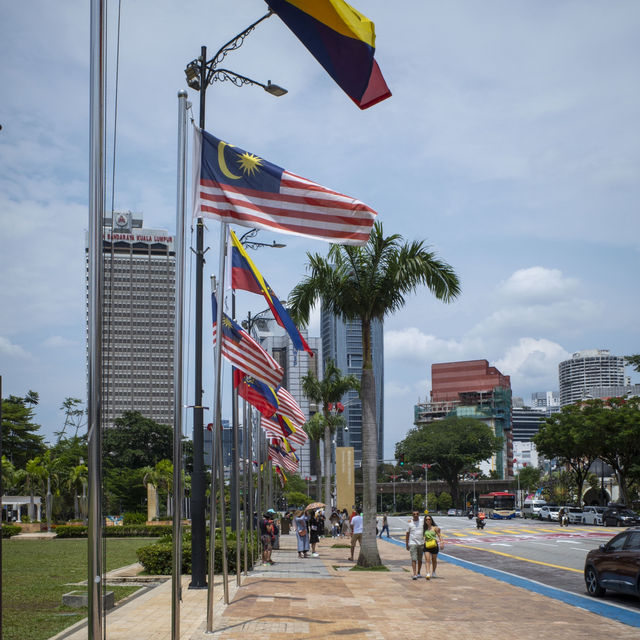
<point>319,598</point>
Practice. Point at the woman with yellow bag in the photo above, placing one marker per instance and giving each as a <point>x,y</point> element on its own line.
<point>433,542</point>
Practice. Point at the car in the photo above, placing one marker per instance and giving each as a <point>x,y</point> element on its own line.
<point>615,565</point>
<point>574,514</point>
<point>619,517</point>
<point>451,512</point>
<point>592,514</point>
<point>518,513</point>
<point>549,512</point>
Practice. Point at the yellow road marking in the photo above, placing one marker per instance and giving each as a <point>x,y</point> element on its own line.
<point>455,533</point>
<point>509,555</point>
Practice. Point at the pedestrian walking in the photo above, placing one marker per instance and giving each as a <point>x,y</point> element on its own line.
<point>356,533</point>
<point>302,534</point>
<point>268,533</point>
<point>414,542</point>
<point>334,519</point>
<point>385,525</point>
<point>314,538</point>
<point>345,525</point>
<point>433,542</point>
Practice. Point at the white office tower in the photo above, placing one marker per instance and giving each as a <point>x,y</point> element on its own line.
<point>586,370</point>
<point>296,364</point>
<point>138,320</point>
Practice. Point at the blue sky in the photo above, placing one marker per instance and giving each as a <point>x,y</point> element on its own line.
<point>511,146</point>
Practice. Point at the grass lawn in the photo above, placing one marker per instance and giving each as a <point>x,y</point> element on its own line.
<point>35,575</point>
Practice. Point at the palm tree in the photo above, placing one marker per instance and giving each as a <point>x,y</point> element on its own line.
<point>8,475</point>
<point>315,430</point>
<point>76,482</point>
<point>330,390</point>
<point>51,469</point>
<point>369,283</point>
<point>33,476</point>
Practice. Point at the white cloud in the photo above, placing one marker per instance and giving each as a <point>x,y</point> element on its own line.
<point>538,284</point>
<point>532,363</point>
<point>7,348</point>
<point>414,345</point>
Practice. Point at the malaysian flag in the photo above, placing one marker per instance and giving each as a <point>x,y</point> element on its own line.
<point>235,186</point>
<point>289,408</point>
<point>280,457</point>
<point>241,350</point>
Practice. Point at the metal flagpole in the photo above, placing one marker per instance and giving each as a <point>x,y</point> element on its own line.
<point>245,486</point>
<point>235,462</point>
<point>181,205</point>
<point>95,278</point>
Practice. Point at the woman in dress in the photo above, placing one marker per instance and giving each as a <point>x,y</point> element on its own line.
<point>314,538</point>
<point>302,534</point>
<point>433,542</point>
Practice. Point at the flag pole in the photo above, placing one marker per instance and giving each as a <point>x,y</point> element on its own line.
<point>235,469</point>
<point>181,205</point>
<point>94,338</point>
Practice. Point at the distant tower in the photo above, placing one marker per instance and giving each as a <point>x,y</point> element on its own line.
<point>139,319</point>
<point>342,343</point>
<point>588,369</point>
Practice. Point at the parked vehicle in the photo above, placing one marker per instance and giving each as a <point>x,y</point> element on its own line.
<point>549,512</point>
<point>518,513</point>
<point>592,515</point>
<point>615,565</point>
<point>619,517</point>
<point>531,508</point>
<point>574,514</point>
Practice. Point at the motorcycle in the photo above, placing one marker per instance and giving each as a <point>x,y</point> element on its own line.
<point>480,522</point>
<point>470,515</point>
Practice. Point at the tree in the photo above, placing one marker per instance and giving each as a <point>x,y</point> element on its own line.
<point>20,440</point>
<point>76,483</point>
<point>8,475</point>
<point>452,445</point>
<point>327,392</point>
<point>315,430</point>
<point>616,426</point>
<point>529,478</point>
<point>633,361</point>
<point>135,441</point>
<point>73,416</point>
<point>366,284</point>
<point>569,437</point>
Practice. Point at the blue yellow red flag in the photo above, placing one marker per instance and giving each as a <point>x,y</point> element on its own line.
<point>245,276</point>
<point>342,40</point>
<point>256,393</point>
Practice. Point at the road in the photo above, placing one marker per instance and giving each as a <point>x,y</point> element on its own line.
<point>540,551</point>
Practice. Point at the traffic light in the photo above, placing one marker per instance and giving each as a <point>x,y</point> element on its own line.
<point>401,459</point>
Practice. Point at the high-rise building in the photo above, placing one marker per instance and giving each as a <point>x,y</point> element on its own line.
<point>526,422</point>
<point>138,319</point>
<point>586,370</point>
<point>342,343</point>
<point>546,399</point>
<point>473,389</point>
<point>296,365</point>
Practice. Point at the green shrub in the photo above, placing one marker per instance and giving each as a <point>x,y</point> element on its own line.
<point>131,517</point>
<point>9,530</point>
<point>156,558</point>
<point>131,531</point>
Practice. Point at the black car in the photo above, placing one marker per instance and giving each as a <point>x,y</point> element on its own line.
<point>619,517</point>
<point>615,565</point>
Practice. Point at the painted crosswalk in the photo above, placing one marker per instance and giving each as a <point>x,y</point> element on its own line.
<point>506,533</point>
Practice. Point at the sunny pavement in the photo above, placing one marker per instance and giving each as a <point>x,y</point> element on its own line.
<point>320,598</point>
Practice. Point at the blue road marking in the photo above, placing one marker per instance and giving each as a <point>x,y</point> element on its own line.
<point>605,609</point>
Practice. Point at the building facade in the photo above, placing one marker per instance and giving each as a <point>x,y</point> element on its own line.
<point>586,370</point>
<point>473,389</point>
<point>342,343</point>
<point>138,320</point>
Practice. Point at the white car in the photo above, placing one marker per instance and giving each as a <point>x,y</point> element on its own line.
<point>592,515</point>
<point>549,513</point>
<point>574,514</point>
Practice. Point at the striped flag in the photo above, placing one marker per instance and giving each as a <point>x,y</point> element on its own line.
<point>234,186</point>
<point>241,350</point>
<point>289,408</point>
<point>278,455</point>
<point>275,427</point>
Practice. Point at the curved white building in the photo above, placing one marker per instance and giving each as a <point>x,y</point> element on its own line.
<point>588,369</point>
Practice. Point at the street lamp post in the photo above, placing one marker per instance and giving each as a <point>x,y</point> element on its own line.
<point>426,468</point>
<point>200,74</point>
<point>519,501</point>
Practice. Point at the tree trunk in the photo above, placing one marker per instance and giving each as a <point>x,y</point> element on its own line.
<point>327,466</point>
<point>369,556</point>
<point>319,473</point>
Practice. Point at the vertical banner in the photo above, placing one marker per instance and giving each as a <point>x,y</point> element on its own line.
<point>345,481</point>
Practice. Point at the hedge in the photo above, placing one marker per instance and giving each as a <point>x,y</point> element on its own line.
<point>157,558</point>
<point>9,530</point>
<point>130,531</point>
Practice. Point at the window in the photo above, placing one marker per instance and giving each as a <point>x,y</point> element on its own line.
<point>633,541</point>
<point>617,543</point>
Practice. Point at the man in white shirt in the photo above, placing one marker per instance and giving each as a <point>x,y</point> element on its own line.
<point>415,544</point>
<point>356,532</point>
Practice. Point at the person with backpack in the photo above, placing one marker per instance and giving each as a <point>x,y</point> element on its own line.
<point>268,533</point>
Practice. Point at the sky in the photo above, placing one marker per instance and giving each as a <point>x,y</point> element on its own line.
<point>511,146</point>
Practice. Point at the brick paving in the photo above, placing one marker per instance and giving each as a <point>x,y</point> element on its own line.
<point>320,598</point>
